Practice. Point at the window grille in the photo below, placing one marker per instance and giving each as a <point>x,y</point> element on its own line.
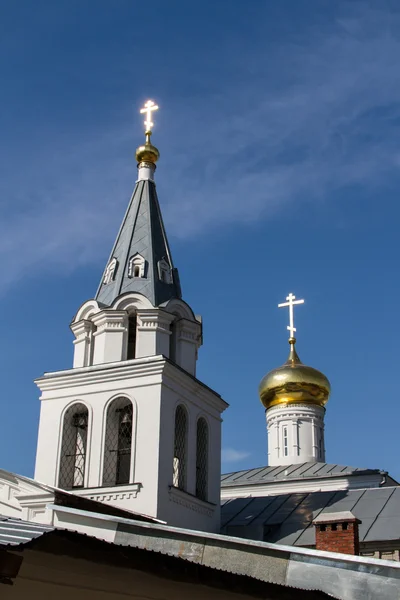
<point>180,443</point>
<point>202,459</point>
<point>73,447</point>
<point>118,443</point>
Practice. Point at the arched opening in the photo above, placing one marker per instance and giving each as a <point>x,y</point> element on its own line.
<point>136,271</point>
<point>74,447</point>
<point>180,448</point>
<point>118,443</point>
<point>173,340</point>
<point>202,459</point>
<point>132,323</point>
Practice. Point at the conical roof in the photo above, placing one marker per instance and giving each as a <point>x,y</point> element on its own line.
<point>141,239</point>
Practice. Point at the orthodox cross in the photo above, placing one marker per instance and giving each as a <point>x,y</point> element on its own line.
<point>291,301</point>
<point>148,108</point>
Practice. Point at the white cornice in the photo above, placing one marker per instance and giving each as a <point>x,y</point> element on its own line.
<point>301,486</point>
<point>116,371</point>
<point>152,368</point>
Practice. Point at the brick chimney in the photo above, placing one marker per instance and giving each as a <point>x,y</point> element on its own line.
<point>337,532</point>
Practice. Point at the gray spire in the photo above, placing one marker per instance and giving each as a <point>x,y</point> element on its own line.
<point>140,260</point>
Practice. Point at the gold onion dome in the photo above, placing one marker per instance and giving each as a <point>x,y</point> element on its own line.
<point>294,383</point>
<point>147,152</point>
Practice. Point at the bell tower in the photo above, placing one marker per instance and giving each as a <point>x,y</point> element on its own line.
<point>130,424</point>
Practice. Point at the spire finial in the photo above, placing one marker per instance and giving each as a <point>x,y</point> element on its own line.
<point>148,108</point>
<point>291,301</point>
<point>148,153</point>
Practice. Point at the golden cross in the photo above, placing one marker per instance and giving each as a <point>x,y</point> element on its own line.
<point>148,108</point>
<point>291,301</point>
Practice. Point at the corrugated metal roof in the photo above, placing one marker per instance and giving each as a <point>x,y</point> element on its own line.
<point>17,531</point>
<point>299,471</point>
<point>287,518</point>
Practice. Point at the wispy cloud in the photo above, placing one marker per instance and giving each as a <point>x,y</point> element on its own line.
<point>310,117</point>
<point>230,455</point>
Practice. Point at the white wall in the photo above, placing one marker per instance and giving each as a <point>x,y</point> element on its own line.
<point>155,387</point>
<point>304,427</point>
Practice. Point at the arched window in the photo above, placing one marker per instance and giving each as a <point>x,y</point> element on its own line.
<point>164,271</point>
<point>118,443</point>
<point>180,448</point>
<point>131,353</point>
<point>285,442</point>
<point>111,269</point>
<point>202,459</point>
<point>73,447</point>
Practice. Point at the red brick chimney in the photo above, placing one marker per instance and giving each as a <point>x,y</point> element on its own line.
<point>337,532</point>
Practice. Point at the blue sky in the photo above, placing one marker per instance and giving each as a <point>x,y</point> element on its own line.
<point>279,133</point>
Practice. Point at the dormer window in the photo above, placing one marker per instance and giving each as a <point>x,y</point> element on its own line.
<point>164,271</point>
<point>111,269</point>
<point>136,266</point>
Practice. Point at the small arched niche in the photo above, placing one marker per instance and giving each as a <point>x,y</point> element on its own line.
<point>137,266</point>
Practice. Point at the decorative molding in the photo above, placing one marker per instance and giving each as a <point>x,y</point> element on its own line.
<point>146,165</point>
<point>137,263</point>
<point>154,319</point>
<point>111,494</point>
<point>164,271</point>
<point>191,502</point>
<point>110,320</point>
<point>111,269</point>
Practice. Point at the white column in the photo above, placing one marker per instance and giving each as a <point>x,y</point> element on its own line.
<point>188,334</point>
<point>110,339</point>
<point>82,332</point>
<point>153,332</point>
<point>295,437</point>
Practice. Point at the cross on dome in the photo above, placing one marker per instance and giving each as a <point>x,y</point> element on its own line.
<point>148,108</point>
<point>291,301</point>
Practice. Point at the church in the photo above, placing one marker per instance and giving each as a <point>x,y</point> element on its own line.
<point>130,432</point>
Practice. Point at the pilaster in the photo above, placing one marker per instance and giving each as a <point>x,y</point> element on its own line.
<point>153,332</point>
<point>82,331</point>
<point>187,343</point>
<point>110,336</point>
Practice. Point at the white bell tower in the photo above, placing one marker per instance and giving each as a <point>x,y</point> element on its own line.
<point>130,424</point>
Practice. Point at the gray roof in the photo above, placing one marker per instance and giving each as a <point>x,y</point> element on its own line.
<point>287,518</point>
<point>142,231</point>
<point>309,470</point>
<point>15,531</point>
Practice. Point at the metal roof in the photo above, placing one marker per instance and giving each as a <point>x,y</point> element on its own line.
<point>142,232</point>
<point>307,470</point>
<point>15,531</point>
<point>287,518</point>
